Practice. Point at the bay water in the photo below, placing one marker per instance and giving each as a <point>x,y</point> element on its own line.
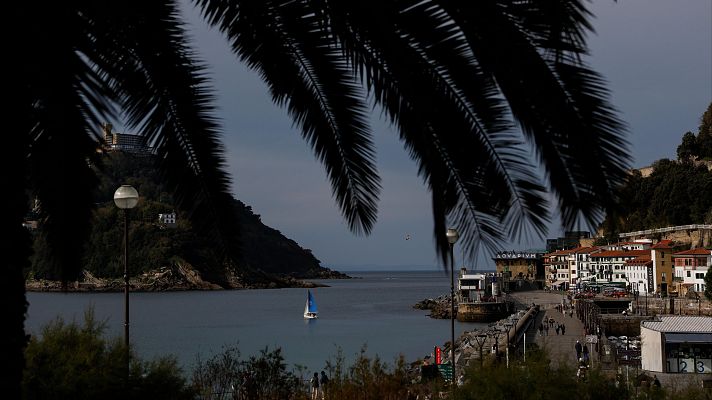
<point>372,311</point>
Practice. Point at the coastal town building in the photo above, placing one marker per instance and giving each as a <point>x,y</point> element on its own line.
<point>690,269</point>
<point>627,264</point>
<point>611,265</point>
<point>520,269</point>
<point>580,269</point>
<point>662,268</point>
<point>677,344</point>
<point>556,265</point>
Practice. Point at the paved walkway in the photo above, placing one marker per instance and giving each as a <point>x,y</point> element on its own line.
<point>561,347</point>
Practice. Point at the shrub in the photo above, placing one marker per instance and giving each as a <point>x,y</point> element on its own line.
<point>69,361</point>
<point>263,377</point>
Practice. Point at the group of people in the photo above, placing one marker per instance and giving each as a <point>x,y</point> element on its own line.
<point>551,324</point>
<point>318,385</point>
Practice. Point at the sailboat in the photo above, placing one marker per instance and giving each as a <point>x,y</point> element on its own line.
<point>310,311</point>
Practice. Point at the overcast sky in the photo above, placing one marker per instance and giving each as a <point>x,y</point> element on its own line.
<point>655,54</point>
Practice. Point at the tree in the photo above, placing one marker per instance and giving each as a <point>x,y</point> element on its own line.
<point>708,284</point>
<point>688,147</point>
<point>699,145</point>
<point>455,78</point>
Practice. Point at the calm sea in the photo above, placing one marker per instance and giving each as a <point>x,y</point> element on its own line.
<point>374,311</point>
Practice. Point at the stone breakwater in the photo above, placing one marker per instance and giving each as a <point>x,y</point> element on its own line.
<point>490,342</point>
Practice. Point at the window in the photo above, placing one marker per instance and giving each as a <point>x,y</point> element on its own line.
<point>700,275</point>
<point>664,277</point>
<point>688,274</point>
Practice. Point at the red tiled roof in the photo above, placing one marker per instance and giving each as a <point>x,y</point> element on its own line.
<point>693,252</point>
<point>663,244</point>
<point>622,253</point>
<point>642,260</point>
<point>559,253</point>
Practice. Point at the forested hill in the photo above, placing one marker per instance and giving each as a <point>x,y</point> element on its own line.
<point>675,192</point>
<point>267,255</point>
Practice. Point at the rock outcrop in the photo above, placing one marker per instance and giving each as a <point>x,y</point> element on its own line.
<point>439,307</point>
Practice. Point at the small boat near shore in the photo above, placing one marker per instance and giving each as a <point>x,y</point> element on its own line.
<point>479,298</point>
<point>310,309</point>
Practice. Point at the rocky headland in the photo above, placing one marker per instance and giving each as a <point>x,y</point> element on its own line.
<point>176,278</point>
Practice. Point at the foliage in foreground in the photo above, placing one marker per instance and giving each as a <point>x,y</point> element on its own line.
<point>69,361</point>
<point>226,376</point>
<point>536,379</point>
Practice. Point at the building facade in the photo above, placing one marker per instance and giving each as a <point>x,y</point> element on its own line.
<point>677,344</point>
<point>690,269</point>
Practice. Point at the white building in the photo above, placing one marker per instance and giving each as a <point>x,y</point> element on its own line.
<point>168,219</point>
<point>470,286</point>
<point>613,266</point>
<point>677,344</point>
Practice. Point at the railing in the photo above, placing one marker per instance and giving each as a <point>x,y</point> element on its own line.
<point>667,229</point>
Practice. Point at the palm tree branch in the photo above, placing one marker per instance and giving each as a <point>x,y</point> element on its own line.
<point>307,75</point>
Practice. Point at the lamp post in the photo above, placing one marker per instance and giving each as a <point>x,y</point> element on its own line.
<point>452,236</point>
<point>494,333</point>
<point>507,327</point>
<point>126,198</point>
<point>481,338</point>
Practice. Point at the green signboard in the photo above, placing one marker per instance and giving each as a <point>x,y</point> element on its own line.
<point>445,371</point>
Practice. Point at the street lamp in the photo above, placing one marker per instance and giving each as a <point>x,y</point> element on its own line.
<point>126,198</point>
<point>481,338</point>
<point>495,335</point>
<point>452,236</point>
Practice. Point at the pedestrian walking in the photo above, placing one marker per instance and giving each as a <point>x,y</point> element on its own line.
<point>579,349</point>
<point>557,328</point>
<point>546,329</point>
<point>314,383</point>
<point>541,328</point>
<point>563,329</point>
<point>585,354</point>
<point>323,384</point>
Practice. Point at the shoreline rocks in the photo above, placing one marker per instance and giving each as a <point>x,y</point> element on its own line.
<point>178,277</point>
<point>439,307</point>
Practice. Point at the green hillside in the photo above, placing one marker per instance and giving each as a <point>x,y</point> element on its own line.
<point>676,192</point>
<point>267,255</point>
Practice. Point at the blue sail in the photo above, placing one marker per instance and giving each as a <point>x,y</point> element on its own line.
<point>312,303</point>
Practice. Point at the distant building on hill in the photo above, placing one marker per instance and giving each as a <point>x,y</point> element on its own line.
<point>127,143</point>
<point>570,240</point>
<point>167,220</point>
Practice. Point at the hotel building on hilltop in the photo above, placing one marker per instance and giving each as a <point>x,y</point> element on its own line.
<point>128,143</point>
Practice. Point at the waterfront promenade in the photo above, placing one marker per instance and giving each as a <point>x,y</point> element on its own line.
<point>561,347</point>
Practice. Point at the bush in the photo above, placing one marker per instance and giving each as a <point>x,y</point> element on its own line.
<point>69,361</point>
<point>263,377</point>
<point>536,380</point>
